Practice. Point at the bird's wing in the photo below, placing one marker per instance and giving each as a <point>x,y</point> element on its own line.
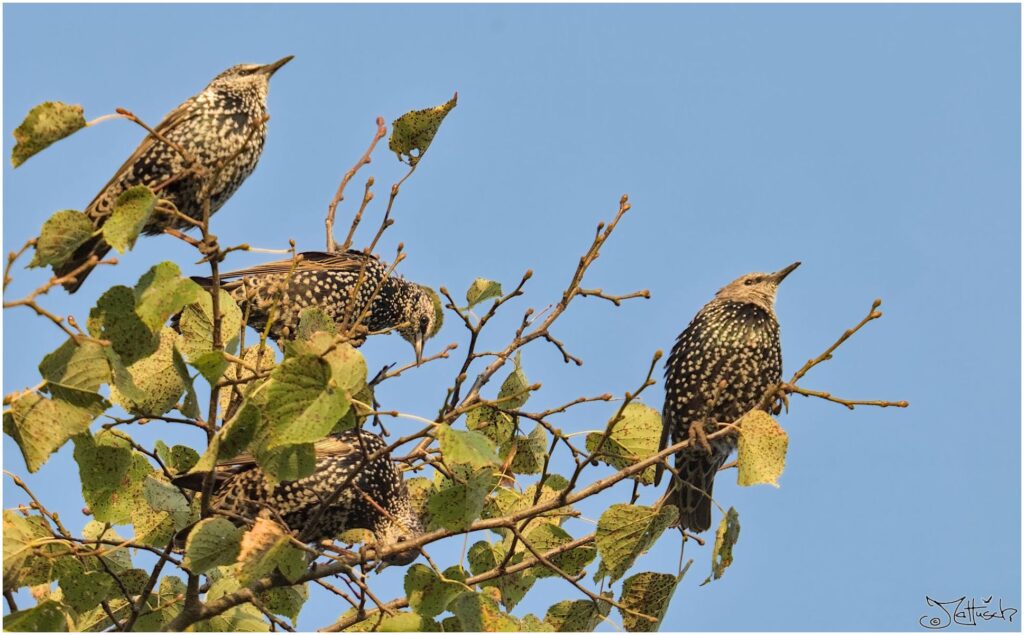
<point>311,261</point>
<point>173,119</point>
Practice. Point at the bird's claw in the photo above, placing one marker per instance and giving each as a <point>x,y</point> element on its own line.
<point>698,437</point>
<point>781,399</point>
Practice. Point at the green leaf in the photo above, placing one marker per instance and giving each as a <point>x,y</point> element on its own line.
<point>211,365</point>
<point>40,426</point>
<point>636,436</point>
<point>84,366</point>
<point>44,617</point>
<point>302,406</point>
<point>118,560</point>
<point>496,425</point>
<point>649,594</point>
<point>725,539</point>
<point>255,357</point>
<point>164,605</point>
<point>313,320</point>
<point>61,235</point>
<point>466,448</point>
<point>480,612</point>
<point>512,587</point>
<point>287,462</point>
<point>231,440</point>
<point>239,619</point>
<point>401,622</point>
<point>348,367</point>
<point>530,452</point>
<point>158,377</point>
<point>114,319</point>
<point>420,488</point>
<point>482,289</point>
<point>456,504</point>
<point>624,532</point>
<point>576,616</point>
<point>45,124</point>
<point>111,474</point>
<point>429,593</point>
<point>545,537</point>
<point>161,292</point>
<point>285,601</point>
<point>266,547</point>
<point>162,511</point>
<point>762,449</point>
<point>27,561</point>
<point>212,542</point>
<point>132,210</point>
<point>179,459</point>
<point>196,325</point>
<point>416,129</point>
<point>530,623</point>
<point>515,389</point>
<point>84,590</point>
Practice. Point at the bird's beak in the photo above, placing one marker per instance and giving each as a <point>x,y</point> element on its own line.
<point>417,345</point>
<point>781,274</point>
<point>270,69</point>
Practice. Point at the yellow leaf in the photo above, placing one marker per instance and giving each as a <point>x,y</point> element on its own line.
<point>762,449</point>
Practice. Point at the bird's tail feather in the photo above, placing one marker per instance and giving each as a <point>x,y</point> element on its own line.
<point>692,491</point>
<point>95,246</point>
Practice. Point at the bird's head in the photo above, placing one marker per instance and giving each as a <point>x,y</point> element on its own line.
<point>402,527</point>
<point>423,318</point>
<point>246,77</point>
<point>756,288</point>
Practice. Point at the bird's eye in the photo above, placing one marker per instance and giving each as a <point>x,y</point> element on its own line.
<point>424,323</point>
<point>402,539</point>
<point>748,281</point>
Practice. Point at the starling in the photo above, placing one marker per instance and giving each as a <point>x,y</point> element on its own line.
<point>329,282</point>
<point>222,128</point>
<point>375,499</point>
<point>719,369</point>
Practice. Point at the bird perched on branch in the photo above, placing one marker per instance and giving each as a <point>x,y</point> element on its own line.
<point>344,285</point>
<point>222,129</point>
<point>348,489</point>
<point>720,368</point>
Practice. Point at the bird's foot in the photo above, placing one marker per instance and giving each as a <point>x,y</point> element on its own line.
<point>698,437</point>
<point>781,399</point>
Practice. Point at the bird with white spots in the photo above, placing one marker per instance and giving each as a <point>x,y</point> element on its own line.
<point>720,367</point>
<point>344,285</point>
<point>367,493</point>
<point>222,128</point>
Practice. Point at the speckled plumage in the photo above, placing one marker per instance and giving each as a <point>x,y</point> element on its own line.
<point>242,492</point>
<point>326,281</point>
<point>734,338</point>
<point>221,128</point>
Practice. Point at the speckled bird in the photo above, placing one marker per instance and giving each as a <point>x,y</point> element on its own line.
<point>375,498</point>
<point>735,339</point>
<point>222,128</point>
<point>327,281</point>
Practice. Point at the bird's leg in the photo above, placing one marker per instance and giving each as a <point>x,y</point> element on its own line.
<point>698,436</point>
<point>781,399</point>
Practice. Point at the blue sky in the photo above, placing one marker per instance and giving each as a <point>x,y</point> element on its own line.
<point>877,144</point>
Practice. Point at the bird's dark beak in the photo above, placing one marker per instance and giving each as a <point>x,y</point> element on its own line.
<point>270,69</point>
<point>781,274</point>
<point>417,345</point>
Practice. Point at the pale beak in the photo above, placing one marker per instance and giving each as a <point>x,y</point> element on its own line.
<point>270,69</point>
<point>781,274</point>
<point>417,345</point>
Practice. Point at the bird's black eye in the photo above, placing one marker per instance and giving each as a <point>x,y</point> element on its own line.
<point>424,323</point>
<point>402,539</point>
<point>749,281</point>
